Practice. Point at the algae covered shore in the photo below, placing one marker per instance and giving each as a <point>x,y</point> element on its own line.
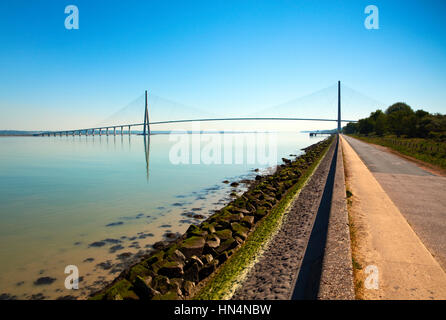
<point>206,261</point>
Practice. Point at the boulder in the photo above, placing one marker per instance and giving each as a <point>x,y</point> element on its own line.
<point>224,234</point>
<point>226,218</point>
<point>193,230</point>
<point>265,204</point>
<point>170,295</point>
<point>198,233</point>
<point>260,213</point>
<point>239,230</point>
<point>208,269</point>
<point>156,257</point>
<point>259,195</point>
<point>192,260</point>
<point>269,189</point>
<point>171,269</point>
<point>211,251</point>
<point>121,290</point>
<point>248,221</point>
<point>212,241</point>
<point>207,258</point>
<point>192,273</point>
<point>238,240</point>
<point>227,245</point>
<point>161,284</point>
<point>176,283</point>
<point>160,245</point>
<point>192,246</point>
<point>138,270</point>
<point>177,255</point>
<point>155,267</point>
<point>251,207</point>
<point>188,288</point>
<point>142,288</point>
<point>209,227</point>
<point>221,226</point>
<point>242,211</point>
<point>270,199</point>
<point>222,257</point>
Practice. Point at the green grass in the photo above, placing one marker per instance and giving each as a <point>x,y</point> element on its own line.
<point>426,150</point>
<point>226,277</point>
<point>356,264</point>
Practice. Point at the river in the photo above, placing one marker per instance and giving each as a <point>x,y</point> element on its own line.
<point>96,203</point>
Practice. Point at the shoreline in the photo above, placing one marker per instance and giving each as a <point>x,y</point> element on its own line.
<point>174,270</point>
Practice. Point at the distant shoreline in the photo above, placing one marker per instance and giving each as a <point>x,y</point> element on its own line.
<point>17,133</point>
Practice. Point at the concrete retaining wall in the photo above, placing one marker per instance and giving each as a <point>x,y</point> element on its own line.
<point>336,280</point>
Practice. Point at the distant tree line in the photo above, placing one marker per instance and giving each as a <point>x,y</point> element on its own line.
<point>401,120</point>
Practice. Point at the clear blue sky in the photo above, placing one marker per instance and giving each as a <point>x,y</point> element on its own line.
<point>214,55</point>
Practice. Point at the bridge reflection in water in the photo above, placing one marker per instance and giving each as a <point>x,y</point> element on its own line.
<point>146,152</point>
<point>146,144</point>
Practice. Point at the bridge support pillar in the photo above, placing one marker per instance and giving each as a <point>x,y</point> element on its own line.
<point>114,131</point>
<point>106,132</point>
<point>129,130</point>
<point>122,128</point>
<point>100,132</point>
<point>339,106</point>
<point>146,119</point>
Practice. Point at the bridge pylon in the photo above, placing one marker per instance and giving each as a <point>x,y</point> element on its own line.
<point>146,119</point>
<point>339,106</point>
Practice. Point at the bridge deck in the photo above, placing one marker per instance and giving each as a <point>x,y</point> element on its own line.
<point>86,130</point>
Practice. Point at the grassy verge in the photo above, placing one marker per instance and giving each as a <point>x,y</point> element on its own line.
<point>229,274</point>
<point>425,150</point>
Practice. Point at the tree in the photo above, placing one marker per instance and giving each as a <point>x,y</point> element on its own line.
<point>366,126</point>
<point>395,115</point>
<point>379,121</point>
<point>350,128</point>
<point>400,119</point>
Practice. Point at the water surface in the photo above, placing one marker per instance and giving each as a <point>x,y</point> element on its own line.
<point>96,202</point>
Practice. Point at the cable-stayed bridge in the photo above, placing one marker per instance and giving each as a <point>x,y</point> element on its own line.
<point>126,127</point>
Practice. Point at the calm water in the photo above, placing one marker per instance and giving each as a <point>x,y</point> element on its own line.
<point>85,201</point>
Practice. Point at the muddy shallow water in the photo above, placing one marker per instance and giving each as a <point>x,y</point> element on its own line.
<point>100,202</point>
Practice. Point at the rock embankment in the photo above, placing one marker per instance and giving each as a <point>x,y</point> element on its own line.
<point>176,268</point>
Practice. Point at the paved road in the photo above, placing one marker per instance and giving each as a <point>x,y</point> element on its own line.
<point>419,195</point>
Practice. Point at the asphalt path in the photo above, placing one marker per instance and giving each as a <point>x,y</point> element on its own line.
<point>419,195</point>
